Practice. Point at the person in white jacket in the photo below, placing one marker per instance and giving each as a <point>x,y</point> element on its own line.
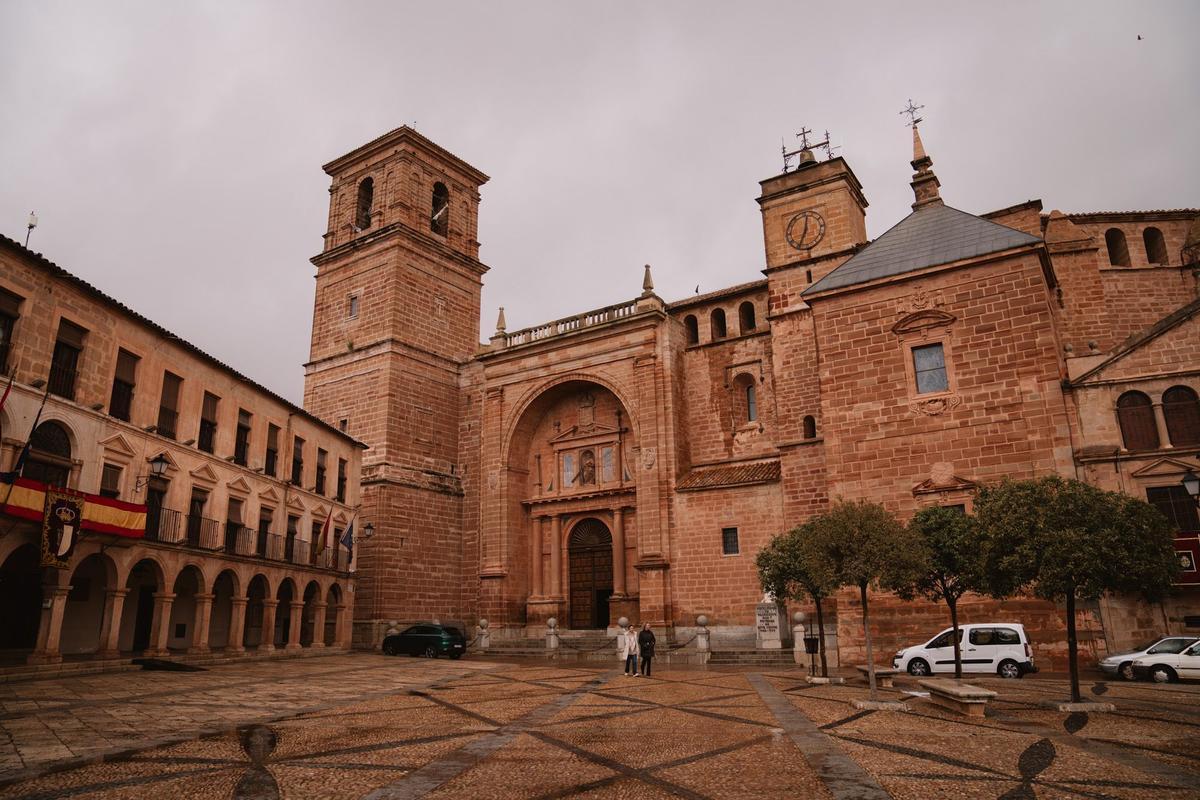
<point>629,649</point>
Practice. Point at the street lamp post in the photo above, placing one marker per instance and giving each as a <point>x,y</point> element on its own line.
<point>1191,484</point>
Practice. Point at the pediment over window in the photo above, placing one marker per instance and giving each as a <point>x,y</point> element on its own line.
<point>584,432</point>
<point>269,495</point>
<point>923,320</point>
<point>295,502</point>
<point>118,445</point>
<point>1165,467</point>
<point>204,474</point>
<point>942,479</point>
<point>239,486</point>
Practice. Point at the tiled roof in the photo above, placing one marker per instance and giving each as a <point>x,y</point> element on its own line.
<point>1181,212</point>
<point>935,234</point>
<point>87,288</point>
<point>731,290</point>
<point>729,475</point>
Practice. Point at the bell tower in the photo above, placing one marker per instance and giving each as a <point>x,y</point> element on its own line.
<point>395,319</point>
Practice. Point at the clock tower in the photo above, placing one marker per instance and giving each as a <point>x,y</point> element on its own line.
<point>812,212</point>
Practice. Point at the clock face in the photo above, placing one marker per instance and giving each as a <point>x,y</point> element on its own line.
<point>805,230</point>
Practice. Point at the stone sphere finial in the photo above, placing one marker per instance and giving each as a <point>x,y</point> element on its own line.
<point>702,620</point>
<point>483,623</point>
<point>798,618</point>
<point>552,622</point>
<point>623,622</point>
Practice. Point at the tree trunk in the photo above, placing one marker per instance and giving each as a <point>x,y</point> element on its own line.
<point>867,635</point>
<point>1073,646</point>
<point>821,635</point>
<point>957,645</point>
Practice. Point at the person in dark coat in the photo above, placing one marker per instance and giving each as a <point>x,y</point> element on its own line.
<point>646,646</point>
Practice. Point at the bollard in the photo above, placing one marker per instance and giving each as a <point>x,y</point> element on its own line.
<point>702,634</point>
<point>798,652</point>
<point>552,634</point>
<point>485,636</point>
<point>622,624</point>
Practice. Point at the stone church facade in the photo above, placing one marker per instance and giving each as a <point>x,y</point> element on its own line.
<point>631,460</point>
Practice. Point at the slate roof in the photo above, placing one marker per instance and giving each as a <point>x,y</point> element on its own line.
<point>935,234</point>
<point>729,475</point>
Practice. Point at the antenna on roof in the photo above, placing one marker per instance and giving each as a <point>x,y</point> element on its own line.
<point>29,227</point>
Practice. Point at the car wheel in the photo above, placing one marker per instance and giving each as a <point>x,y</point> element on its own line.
<point>1126,671</point>
<point>431,652</point>
<point>918,667</point>
<point>1162,674</point>
<point>389,649</point>
<point>1009,669</point>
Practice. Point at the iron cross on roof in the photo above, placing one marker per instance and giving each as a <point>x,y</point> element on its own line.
<point>912,110</point>
<point>803,137</point>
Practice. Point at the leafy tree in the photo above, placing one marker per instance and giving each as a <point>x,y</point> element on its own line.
<point>793,567</point>
<point>1064,540</point>
<point>865,545</point>
<point>953,563</point>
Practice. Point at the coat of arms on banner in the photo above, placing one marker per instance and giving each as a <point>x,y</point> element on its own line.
<point>60,527</point>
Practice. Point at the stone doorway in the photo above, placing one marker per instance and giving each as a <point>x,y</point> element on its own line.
<point>590,573</point>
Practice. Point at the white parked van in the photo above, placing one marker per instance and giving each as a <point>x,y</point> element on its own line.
<point>999,648</point>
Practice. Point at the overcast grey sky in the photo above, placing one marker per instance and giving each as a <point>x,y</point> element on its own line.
<point>172,150</point>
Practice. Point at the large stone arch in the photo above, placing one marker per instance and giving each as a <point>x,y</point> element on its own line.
<point>144,581</point>
<point>532,396</point>
<point>92,579</point>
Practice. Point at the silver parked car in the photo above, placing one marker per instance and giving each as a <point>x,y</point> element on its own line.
<point>1122,663</point>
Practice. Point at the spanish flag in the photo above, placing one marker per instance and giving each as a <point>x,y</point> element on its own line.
<point>319,545</point>
<point>27,500</point>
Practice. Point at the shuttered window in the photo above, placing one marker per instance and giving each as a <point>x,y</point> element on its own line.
<point>1181,409</point>
<point>121,401</point>
<point>1135,415</point>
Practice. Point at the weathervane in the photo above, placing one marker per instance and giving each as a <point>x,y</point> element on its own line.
<point>912,110</point>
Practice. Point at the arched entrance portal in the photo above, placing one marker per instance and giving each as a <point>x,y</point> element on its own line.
<point>21,599</point>
<point>591,573</point>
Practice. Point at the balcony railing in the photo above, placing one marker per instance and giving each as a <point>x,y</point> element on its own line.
<point>121,402</point>
<point>167,417</point>
<point>572,324</point>
<point>169,526</point>
<point>62,381</point>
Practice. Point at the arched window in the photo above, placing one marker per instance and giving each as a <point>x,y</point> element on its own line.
<point>746,321</point>
<point>439,219</point>
<point>1156,246</point>
<point>745,400</point>
<point>1181,409</point>
<point>1118,248</point>
<point>366,198</point>
<point>49,459</point>
<point>693,329</point>
<point>810,427</point>
<point>717,323</point>
<point>1136,418</point>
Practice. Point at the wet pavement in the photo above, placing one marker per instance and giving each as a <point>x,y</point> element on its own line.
<point>368,726</point>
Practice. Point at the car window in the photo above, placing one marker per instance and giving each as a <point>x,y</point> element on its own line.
<point>1194,650</point>
<point>945,640</point>
<point>1170,646</point>
<point>1007,636</point>
<point>413,630</point>
<point>983,636</point>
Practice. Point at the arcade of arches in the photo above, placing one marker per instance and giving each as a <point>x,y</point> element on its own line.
<point>572,501</point>
<point>116,601</point>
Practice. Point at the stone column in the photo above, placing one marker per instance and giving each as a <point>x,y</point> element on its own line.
<point>160,628</point>
<point>200,625</point>
<point>618,546</point>
<point>50,630</point>
<point>1160,421</point>
<point>341,631</point>
<point>293,638</point>
<point>237,625</point>
<point>110,626</point>
<point>556,557</point>
<point>535,557</point>
<point>318,639</point>
<point>267,642</point>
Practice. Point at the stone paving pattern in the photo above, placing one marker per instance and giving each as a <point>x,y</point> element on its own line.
<point>368,726</point>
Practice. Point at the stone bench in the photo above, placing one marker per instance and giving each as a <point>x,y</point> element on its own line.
<point>883,675</point>
<point>961,697</point>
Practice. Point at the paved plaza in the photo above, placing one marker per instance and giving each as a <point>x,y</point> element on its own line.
<point>368,726</point>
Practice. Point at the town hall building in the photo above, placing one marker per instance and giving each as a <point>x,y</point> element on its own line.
<point>631,460</point>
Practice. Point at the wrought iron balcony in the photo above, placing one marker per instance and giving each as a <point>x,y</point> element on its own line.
<point>62,381</point>
<point>168,526</point>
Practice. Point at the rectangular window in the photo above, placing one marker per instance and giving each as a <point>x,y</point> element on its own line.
<point>264,531</point>
<point>341,480</point>
<point>568,470</point>
<point>343,424</point>
<point>168,406</point>
<point>321,455</point>
<point>929,365</point>
<point>289,545</point>
<point>297,460</point>
<point>751,404</point>
<point>195,520</point>
<point>110,481</point>
<point>608,465</point>
<point>241,444</point>
<point>270,462</point>
<point>10,312</point>
<point>352,306</point>
<point>121,401</point>
<point>1177,506</point>
<point>729,541</point>
<point>208,422</point>
<point>64,364</point>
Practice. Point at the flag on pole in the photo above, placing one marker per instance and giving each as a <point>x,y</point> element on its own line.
<point>10,477</point>
<point>348,537</point>
<point>324,534</point>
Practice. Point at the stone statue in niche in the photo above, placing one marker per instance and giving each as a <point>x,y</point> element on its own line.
<point>587,468</point>
<point>587,410</point>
